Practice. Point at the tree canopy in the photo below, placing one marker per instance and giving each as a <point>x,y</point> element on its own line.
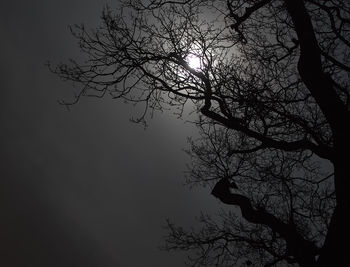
<point>269,80</point>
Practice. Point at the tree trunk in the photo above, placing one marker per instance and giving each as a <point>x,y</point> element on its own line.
<point>335,111</point>
<point>335,249</point>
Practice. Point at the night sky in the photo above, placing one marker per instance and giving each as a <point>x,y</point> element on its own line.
<point>84,187</point>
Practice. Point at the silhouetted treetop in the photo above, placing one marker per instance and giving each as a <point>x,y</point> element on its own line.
<point>271,89</point>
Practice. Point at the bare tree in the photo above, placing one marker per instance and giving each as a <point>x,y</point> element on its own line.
<point>271,87</point>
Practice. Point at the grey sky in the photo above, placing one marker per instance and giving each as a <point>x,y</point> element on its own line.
<point>85,187</point>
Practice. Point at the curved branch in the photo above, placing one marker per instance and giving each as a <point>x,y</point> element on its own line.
<point>302,249</point>
<point>310,67</point>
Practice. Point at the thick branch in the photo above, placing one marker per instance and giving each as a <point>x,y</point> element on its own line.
<point>310,67</point>
<point>303,250</point>
<point>235,124</point>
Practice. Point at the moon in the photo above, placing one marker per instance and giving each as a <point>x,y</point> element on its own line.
<point>194,62</point>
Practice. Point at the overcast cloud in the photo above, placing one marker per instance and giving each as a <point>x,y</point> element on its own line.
<point>83,187</point>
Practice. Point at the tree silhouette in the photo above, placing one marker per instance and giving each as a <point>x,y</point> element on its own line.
<point>272,95</point>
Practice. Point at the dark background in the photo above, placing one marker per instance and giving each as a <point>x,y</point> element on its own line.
<point>83,187</point>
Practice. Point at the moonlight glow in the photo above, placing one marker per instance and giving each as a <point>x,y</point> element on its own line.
<point>194,62</point>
